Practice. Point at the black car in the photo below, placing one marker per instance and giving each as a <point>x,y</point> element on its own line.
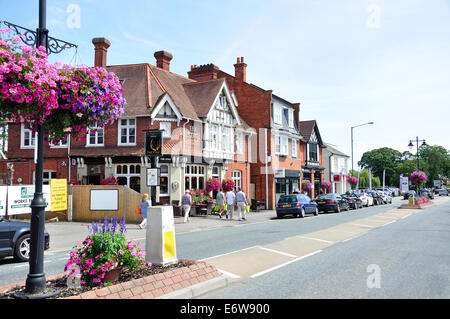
<point>428,193</point>
<point>15,239</point>
<point>353,201</point>
<point>377,199</point>
<point>332,202</point>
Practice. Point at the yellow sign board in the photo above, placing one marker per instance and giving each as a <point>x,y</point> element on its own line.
<point>169,245</point>
<point>58,194</point>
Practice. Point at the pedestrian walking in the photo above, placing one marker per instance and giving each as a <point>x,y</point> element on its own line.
<point>241,204</point>
<point>144,203</point>
<point>186,201</point>
<point>220,198</point>
<point>231,199</point>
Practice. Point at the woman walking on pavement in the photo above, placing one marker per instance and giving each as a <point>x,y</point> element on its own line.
<point>145,203</point>
<point>186,201</point>
<point>221,202</point>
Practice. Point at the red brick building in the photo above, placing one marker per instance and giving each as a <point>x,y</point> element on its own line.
<point>280,152</point>
<point>203,135</point>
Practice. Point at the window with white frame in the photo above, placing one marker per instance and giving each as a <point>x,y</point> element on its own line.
<point>214,136</point>
<point>27,139</point>
<point>277,114</point>
<point>236,176</point>
<point>281,145</point>
<point>164,180</point>
<point>166,128</point>
<point>194,177</point>
<point>127,131</point>
<point>47,176</point>
<point>291,118</point>
<point>60,144</point>
<point>294,148</point>
<point>95,136</point>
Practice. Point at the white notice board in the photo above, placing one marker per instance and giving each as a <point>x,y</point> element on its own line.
<point>104,199</point>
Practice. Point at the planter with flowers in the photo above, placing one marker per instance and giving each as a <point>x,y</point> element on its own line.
<point>109,181</point>
<point>104,254</point>
<point>418,178</point>
<point>201,199</point>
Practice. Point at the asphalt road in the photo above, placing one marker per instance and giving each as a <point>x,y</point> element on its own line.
<point>408,258</point>
<point>340,262</point>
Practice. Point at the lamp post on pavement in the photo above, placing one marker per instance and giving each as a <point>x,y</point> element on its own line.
<point>35,282</point>
<point>371,123</point>
<point>410,145</point>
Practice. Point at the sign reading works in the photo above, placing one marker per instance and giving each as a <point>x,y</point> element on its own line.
<point>17,199</point>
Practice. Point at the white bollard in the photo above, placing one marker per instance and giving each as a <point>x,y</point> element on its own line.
<point>160,243</point>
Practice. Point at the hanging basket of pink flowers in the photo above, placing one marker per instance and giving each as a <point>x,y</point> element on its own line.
<point>418,176</point>
<point>306,186</point>
<point>326,186</point>
<point>66,101</point>
<point>228,185</point>
<point>352,180</point>
<point>212,184</point>
<point>109,181</point>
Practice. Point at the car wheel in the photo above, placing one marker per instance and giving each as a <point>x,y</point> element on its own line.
<point>302,214</point>
<point>279,216</point>
<point>338,209</point>
<point>22,248</point>
<point>316,213</point>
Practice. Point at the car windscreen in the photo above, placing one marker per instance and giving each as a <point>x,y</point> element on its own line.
<point>327,196</point>
<point>288,199</point>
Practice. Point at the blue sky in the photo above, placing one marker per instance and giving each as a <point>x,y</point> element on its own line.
<point>347,62</point>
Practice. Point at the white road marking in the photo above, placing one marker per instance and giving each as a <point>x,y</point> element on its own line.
<point>389,223</point>
<point>362,225</point>
<point>232,252</point>
<point>282,265</point>
<point>278,252</point>
<point>318,239</point>
<point>229,274</point>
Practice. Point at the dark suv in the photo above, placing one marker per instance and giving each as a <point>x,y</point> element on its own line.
<point>15,239</point>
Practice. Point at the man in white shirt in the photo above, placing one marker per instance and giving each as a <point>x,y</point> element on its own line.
<point>230,204</point>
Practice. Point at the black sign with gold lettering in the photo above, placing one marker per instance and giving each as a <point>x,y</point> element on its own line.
<point>153,143</point>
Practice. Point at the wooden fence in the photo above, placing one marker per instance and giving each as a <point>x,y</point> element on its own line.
<point>128,201</point>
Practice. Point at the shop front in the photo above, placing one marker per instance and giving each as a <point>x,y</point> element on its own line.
<point>286,182</point>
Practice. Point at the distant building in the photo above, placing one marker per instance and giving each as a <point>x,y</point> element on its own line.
<point>336,169</point>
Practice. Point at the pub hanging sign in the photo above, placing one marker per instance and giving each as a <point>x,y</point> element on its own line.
<point>153,142</point>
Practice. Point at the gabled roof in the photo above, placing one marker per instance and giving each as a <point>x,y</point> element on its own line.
<point>335,151</point>
<point>203,94</point>
<point>306,129</point>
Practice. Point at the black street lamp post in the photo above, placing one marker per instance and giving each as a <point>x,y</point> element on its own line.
<point>35,282</point>
<point>410,145</point>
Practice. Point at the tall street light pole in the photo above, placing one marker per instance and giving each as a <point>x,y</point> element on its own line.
<point>410,145</point>
<point>35,282</point>
<point>371,123</point>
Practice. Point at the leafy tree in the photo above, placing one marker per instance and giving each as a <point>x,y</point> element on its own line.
<point>436,162</point>
<point>380,159</point>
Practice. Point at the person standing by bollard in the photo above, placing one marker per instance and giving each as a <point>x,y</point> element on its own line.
<point>241,204</point>
<point>187,202</point>
<point>231,199</point>
<point>221,202</point>
<point>145,203</point>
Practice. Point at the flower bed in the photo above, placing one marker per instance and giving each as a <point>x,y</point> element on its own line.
<point>151,283</point>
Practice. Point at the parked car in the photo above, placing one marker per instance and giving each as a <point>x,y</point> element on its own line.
<point>386,196</point>
<point>427,192</point>
<point>15,239</point>
<point>366,199</point>
<point>407,194</point>
<point>296,205</point>
<point>354,201</point>
<point>377,199</point>
<point>332,202</point>
<point>443,192</point>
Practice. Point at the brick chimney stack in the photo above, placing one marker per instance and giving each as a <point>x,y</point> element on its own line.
<point>240,70</point>
<point>163,59</point>
<point>203,72</point>
<point>101,51</point>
